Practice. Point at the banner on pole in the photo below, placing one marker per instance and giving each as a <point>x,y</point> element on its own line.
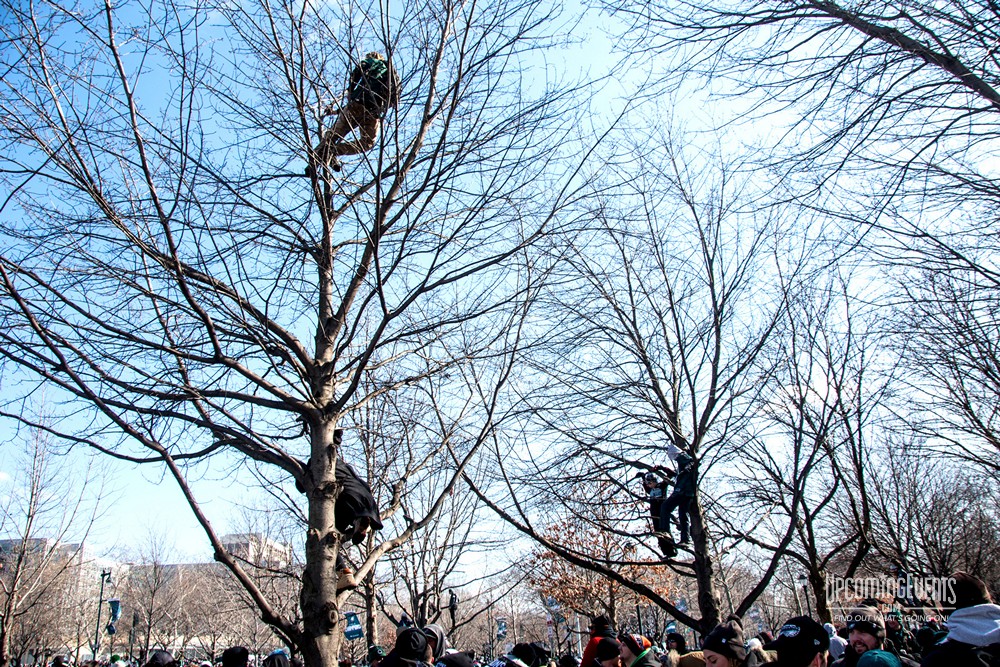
<point>116,609</point>
<point>353,628</point>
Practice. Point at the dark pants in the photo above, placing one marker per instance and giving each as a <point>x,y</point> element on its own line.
<point>680,502</point>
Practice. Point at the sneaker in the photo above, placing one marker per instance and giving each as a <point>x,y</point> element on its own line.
<point>346,581</point>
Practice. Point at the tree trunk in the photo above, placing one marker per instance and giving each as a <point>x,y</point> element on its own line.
<point>708,599</point>
<point>371,610</point>
<point>4,658</point>
<point>817,580</point>
<point>320,609</point>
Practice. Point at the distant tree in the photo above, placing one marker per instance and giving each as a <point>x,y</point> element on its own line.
<point>932,518</point>
<point>802,483</point>
<point>587,593</point>
<point>46,512</point>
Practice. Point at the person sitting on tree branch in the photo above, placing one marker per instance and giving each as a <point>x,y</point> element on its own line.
<point>373,89</point>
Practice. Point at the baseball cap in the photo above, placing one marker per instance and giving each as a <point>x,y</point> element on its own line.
<point>799,640</point>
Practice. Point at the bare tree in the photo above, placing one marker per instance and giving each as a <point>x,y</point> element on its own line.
<point>44,518</point>
<point>950,351</point>
<point>804,478</point>
<point>158,591</point>
<point>891,115</point>
<point>172,275</point>
<point>657,328</point>
<point>932,518</point>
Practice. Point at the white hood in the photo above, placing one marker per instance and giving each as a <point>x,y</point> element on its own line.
<point>978,625</point>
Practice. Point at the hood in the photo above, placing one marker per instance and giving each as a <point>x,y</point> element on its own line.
<point>436,632</point>
<point>978,625</point>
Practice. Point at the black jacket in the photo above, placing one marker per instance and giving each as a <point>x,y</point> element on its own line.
<point>958,654</point>
<point>355,500</point>
<point>375,84</point>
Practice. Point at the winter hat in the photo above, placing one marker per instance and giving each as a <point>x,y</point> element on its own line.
<point>868,620</point>
<point>115,657</point>
<point>601,626</point>
<point>160,659</point>
<point>235,656</point>
<point>830,630</point>
<point>877,658</point>
<point>634,643</point>
<point>969,591</point>
<point>276,659</point>
<point>799,640</point>
<point>727,640</point>
<point>375,652</point>
<point>678,639</point>
<point>753,643</point>
<point>607,649</point>
<point>435,633</point>
<point>411,645</point>
<point>59,661</point>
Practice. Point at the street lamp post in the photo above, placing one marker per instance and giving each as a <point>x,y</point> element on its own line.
<point>805,592</point>
<point>105,578</point>
<point>131,634</point>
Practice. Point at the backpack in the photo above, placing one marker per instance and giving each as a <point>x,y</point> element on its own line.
<point>376,85</point>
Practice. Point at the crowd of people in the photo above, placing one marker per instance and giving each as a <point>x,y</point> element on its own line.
<point>863,637</point>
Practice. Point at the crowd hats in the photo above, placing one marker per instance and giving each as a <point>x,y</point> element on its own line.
<point>799,640</point>
<point>607,649</point>
<point>727,640</point>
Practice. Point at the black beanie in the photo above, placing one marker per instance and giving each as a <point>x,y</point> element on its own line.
<point>411,645</point>
<point>601,627</point>
<point>160,659</point>
<point>235,656</point>
<point>607,649</point>
<point>727,640</point>
<point>969,591</point>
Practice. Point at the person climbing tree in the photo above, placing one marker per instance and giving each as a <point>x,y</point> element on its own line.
<point>680,499</point>
<point>656,484</point>
<point>373,89</point>
<point>355,512</point>
<point>661,505</point>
